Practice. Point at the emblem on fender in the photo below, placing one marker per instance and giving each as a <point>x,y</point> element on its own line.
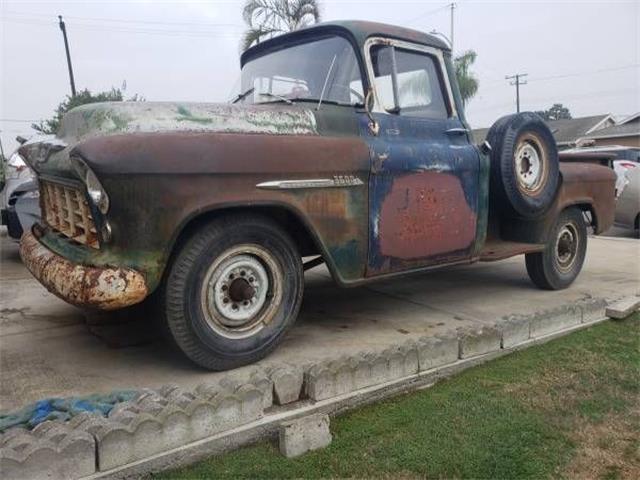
<point>335,181</point>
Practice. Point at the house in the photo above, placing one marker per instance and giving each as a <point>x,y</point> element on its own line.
<point>568,132</point>
<point>626,133</point>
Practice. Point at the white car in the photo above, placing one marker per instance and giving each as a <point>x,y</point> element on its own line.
<point>16,174</point>
<point>622,167</point>
<point>628,202</point>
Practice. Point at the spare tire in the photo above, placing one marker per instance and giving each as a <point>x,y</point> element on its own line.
<point>524,165</point>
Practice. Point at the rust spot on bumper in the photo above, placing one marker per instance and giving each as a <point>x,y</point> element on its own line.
<point>102,288</point>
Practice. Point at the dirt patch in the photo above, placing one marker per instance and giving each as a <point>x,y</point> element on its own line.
<point>608,449</point>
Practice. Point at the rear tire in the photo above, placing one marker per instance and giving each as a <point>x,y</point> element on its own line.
<point>560,263</point>
<point>233,291</point>
<point>524,165</point>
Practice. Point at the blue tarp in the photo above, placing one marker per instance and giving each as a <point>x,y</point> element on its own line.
<point>63,409</point>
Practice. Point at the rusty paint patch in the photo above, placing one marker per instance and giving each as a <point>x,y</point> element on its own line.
<point>103,288</point>
<point>423,214</point>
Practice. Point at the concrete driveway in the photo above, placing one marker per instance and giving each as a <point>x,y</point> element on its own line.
<point>47,349</point>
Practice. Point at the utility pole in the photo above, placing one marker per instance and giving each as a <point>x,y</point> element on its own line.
<point>517,81</point>
<point>66,47</point>
<point>452,6</point>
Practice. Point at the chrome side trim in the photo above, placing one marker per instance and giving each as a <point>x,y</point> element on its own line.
<point>336,181</point>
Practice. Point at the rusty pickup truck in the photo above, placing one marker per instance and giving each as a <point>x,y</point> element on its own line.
<point>347,145</point>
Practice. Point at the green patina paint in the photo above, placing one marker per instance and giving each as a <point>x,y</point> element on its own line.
<point>187,116</point>
<point>483,203</point>
<point>348,259</point>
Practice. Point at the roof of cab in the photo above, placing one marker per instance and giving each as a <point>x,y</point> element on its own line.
<point>358,30</point>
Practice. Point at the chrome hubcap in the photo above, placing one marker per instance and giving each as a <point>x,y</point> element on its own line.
<point>566,246</point>
<point>529,170</point>
<point>241,291</point>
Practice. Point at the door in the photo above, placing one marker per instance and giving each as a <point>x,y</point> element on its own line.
<point>423,187</point>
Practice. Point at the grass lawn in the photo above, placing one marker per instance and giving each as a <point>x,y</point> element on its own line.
<point>569,408</point>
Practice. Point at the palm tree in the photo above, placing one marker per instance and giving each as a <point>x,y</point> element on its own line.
<point>467,81</point>
<point>266,18</point>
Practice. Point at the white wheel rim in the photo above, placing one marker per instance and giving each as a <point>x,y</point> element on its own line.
<point>241,291</point>
<point>529,168</point>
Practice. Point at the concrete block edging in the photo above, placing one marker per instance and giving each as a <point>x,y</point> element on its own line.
<point>169,426</point>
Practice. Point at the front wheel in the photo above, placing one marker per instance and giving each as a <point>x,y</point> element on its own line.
<point>560,263</point>
<point>233,291</point>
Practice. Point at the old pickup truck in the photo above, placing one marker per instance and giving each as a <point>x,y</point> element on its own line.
<point>347,145</point>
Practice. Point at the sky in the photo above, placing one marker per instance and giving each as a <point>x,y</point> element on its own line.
<point>583,54</point>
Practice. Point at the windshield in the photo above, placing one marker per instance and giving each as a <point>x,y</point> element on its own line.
<point>326,69</point>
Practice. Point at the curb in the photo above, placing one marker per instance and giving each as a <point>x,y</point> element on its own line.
<point>170,427</point>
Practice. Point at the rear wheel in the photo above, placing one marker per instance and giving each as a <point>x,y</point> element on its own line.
<point>233,291</point>
<point>560,263</point>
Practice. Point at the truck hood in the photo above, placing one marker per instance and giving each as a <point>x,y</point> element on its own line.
<point>148,117</point>
<point>50,154</point>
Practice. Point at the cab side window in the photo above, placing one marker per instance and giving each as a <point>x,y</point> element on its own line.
<point>408,82</point>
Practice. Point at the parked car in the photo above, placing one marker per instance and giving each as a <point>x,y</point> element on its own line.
<point>23,209</point>
<point>17,173</point>
<point>627,213</point>
<point>27,206</point>
<point>348,143</point>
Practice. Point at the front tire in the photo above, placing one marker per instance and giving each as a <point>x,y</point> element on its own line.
<point>560,263</point>
<point>233,291</point>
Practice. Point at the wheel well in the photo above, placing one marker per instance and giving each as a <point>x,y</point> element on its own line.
<point>284,217</point>
<point>589,214</point>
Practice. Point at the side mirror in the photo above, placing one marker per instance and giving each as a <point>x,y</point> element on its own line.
<point>369,102</point>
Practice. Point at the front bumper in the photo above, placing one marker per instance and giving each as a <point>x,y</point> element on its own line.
<point>104,288</point>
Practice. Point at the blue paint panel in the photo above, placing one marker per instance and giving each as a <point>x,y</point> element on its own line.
<point>423,192</point>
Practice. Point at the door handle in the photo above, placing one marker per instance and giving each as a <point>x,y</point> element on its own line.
<point>457,131</point>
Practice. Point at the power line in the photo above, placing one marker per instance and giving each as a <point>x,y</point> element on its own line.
<point>546,100</point>
<point>578,74</point>
<point>17,120</point>
<point>425,14</point>
<point>108,28</point>
<point>123,20</point>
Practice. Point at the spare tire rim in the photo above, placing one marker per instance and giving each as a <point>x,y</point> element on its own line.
<point>530,164</point>
<point>241,291</point>
<point>567,243</point>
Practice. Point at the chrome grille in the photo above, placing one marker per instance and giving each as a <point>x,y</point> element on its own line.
<point>66,210</point>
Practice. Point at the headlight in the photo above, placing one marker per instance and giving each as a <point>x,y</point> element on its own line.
<point>95,190</point>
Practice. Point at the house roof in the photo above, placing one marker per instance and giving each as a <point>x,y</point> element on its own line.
<point>630,118</point>
<point>630,128</point>
<point>358,30</point>
<point>567,131</point>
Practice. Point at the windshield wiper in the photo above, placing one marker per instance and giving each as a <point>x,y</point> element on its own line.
<point>242,95</point>
<point>279,97</point>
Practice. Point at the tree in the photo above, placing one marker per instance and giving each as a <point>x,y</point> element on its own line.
<point>267,18</point>
<point>467,81</point>
<point>556,112</point>
<point>82,97</point>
